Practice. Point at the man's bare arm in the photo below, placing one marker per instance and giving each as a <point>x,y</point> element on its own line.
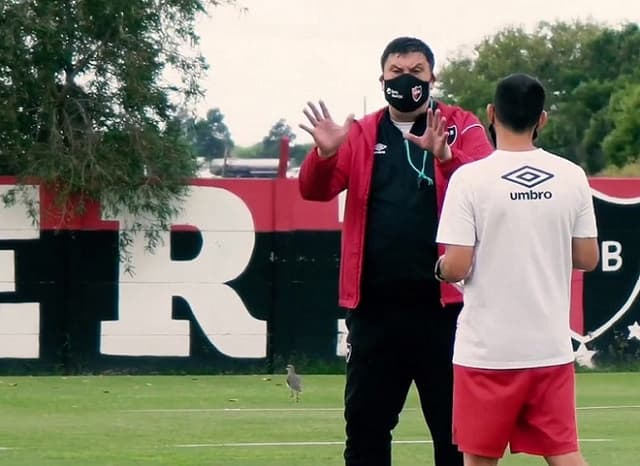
<point>585,253</point>
<point>456,263</point>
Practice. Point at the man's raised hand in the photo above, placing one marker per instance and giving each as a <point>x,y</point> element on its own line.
<point>435,136</point>
<point>326,133</point>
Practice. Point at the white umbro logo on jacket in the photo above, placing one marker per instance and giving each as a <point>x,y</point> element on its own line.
<point>380,149</point>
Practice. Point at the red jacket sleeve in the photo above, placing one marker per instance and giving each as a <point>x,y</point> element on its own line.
<point>473,145</point>
<point>322,179</point>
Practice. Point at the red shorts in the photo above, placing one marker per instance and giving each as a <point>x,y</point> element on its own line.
<point>532,410</point>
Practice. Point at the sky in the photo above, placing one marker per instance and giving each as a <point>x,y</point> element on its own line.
<point>267,62</point>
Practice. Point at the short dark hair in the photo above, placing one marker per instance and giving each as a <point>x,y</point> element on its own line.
<point>404,45</point>
<point>519,101</point>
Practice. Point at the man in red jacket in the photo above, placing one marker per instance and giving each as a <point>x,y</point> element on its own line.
<point>395,165</point>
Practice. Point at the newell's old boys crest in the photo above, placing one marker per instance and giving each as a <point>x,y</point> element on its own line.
<point>608,299</point>
<point>416,93</point>
<point>452,134</point>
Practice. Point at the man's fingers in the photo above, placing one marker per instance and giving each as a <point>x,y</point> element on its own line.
<point>312,119</point>
<point>429,119</point>
<point>314,109</point>
<point>442,125</point>
<point>307,129</point>
<point>412,137</point>
<point>325,110</point>
<point>438,120</point>
<point>438,123</point>
<point>349,120</point>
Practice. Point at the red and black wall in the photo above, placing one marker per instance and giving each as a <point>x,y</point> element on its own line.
<point>245,281</point>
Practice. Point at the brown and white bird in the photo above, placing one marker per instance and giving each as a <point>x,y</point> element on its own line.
<point>294,382</point>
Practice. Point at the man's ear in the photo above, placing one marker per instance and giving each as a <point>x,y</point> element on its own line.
<point>542,121</point>
<point>491,113</point>
<point>381,79</point>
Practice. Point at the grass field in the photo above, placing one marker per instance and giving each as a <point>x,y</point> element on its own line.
<point>248,421</point>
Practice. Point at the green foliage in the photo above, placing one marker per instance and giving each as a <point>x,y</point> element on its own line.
<point>631,170</point>
<point>622,353</point>
<point>208,137</point>
<point>85,109</point>
<point>271,142</point>
<point>299,152</point>
<point>622,144</point>
<point>248,152</point>
<point>270,145</point>
<point>589,71</point>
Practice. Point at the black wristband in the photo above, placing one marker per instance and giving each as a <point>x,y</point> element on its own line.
<point>438,270</point>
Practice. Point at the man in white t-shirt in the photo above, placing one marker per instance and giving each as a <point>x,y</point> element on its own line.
<point>514,225</point>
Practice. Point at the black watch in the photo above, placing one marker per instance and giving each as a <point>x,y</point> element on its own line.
<point>438,270</point>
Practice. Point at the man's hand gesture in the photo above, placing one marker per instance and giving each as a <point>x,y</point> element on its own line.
<point>435,136</point>
<point>327,134</point>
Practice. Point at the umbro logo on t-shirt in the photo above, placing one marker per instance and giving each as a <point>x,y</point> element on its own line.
<point>529,177</point>
<point>380,149</point>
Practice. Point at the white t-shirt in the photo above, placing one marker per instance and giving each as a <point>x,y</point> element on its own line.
<point>520,210</point>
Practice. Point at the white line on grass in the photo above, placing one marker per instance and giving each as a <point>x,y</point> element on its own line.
<point>320,444</point>
<point>587,408</point>
<point>595,440</point>
<point>285,444</point>
<point>235,410</point>
<point>293,410</point>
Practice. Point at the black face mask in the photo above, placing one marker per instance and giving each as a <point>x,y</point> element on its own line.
<point>494,139</point>
<point>406,93</point>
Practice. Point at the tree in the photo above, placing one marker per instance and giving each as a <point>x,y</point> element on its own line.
<point>85,108</point>
<point>580,64</point>
<point>299,152</point>
<point>249,152</point>
<point>622,144</point>
<point>614,52</point>
<point>271,142</point>
<point>210,138</point>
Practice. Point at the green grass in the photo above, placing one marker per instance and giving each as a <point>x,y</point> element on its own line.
<point>630,170</point>
<point>92,421</point>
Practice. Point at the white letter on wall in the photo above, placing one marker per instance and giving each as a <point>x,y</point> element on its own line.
<point>145,327</point>
<point>611,256</point>
<point>19,322</point>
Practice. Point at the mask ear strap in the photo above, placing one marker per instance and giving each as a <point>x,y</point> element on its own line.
<point>492,134</point>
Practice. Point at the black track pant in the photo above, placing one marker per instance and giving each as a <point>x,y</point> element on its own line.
<point>390,347</point>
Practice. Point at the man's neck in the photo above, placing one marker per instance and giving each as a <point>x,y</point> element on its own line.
<point>515,142</point>
<point>402,117</point>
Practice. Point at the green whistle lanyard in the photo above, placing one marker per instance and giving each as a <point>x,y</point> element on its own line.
<point>421,174</point>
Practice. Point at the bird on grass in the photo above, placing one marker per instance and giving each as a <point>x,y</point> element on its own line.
<point>294,382</point>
